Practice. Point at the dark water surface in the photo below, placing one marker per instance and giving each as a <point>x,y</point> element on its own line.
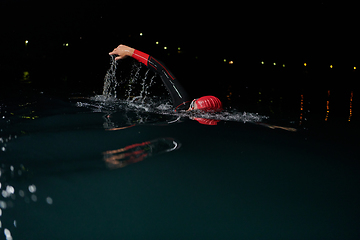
<point>76,167</point>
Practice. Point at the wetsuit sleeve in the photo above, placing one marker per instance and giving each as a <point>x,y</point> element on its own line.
<point>179,96</point>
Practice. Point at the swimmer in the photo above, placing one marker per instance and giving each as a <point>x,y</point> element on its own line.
<point>180,98</point>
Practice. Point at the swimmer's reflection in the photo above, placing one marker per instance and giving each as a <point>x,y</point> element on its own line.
<point>137,152</point>
<point>206,121</point>
<point>272,126</point>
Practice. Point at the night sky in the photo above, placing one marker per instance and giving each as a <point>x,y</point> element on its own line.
<point>316,32</point>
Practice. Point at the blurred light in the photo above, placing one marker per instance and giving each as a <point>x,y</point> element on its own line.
<point>26,42</point>
<point>141,34</point>
<point>33,197</point>
<point>331,66</point>
<point>157,43</point>
<point>7,234</point>
<point>165,48</point>
<point>224,59</point>
<point>26,76</point>
<point>10,189</point>
<point>49,200</point>
<point>21,193</point>
<point>305,64</point>
<point>231,62</point>
<point>32,188</point>
<point>301,107</point>
<point>283,65</point>
<point>351,99</point>
<point>327,106</point>
<point>262,62</point>
<point>67,44</point>
<point>354,68</point>
<point>327,110</point>
<point>274,64</point>
<point>179,48</point>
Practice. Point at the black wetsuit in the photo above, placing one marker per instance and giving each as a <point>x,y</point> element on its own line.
<point>180,98</point>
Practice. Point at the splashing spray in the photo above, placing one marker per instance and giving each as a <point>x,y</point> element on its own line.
<point>144,86</point>
<point>135,73</point>
<point>136,88</point>
<point>110,82</point>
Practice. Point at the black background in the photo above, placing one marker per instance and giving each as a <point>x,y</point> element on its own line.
<point>316,32</point>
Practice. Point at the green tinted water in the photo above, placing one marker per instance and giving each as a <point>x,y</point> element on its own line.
<point>80,169</point>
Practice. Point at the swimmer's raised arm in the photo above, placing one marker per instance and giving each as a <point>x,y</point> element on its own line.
<point>122,51</point>
<point>180,98</point>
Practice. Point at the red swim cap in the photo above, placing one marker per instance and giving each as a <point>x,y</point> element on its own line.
<point>209,103</point>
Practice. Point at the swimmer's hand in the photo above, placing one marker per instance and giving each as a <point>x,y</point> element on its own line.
<point>122,51</point>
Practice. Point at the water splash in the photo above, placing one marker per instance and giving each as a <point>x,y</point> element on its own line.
<point>233,116</point>
<point>132,89</point>
<point>143,84</point>
<point>110,82</point>
<point>135,97</point>
<point>135,73</point>
<point>147,86</point>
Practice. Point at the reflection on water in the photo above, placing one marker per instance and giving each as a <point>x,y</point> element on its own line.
<point>333,106</point>
<point>121,118</point>
<point>301,109</point>
<point>271,126</point>
<point>327,106</point>
<point>350,110</point>
<point>137,152</point>
<point>14,193</point>
<point>306,105</point>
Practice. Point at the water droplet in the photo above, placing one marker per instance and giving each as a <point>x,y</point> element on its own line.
<point>49,200</point>
<point>32,188</point>
<point>5,194</point>
<point>10,189</point>
<point>21,193</point>
<point>7,234</point>
<point>34,197</point>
